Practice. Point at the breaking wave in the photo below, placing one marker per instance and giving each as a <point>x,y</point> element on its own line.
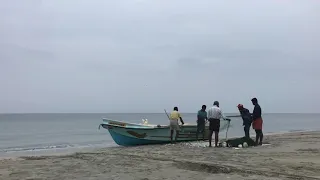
<point>43,147</point>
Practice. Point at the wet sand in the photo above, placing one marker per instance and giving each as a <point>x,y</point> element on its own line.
<point>290,156</point>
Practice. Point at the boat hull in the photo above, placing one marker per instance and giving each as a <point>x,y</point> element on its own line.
<point>129,134</point>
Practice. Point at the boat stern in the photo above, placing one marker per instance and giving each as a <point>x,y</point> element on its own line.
<point>128,134</point>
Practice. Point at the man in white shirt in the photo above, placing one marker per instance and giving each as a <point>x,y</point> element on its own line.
<point>214,116</point>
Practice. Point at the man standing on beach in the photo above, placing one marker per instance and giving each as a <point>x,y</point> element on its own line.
<point>257,121</point>
<point>247,120</point>
<point>214,116</point>
<point>175,116</point>
<point>201,122</point>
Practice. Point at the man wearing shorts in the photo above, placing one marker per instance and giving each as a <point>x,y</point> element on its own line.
<point>214,116</point>
<point>201,121</point>
<point>257,121</point>
<point>175,116</point>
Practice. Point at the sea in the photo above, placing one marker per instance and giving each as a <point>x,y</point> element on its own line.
<point>45,133</point>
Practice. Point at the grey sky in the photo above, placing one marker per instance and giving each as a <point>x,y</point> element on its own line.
<point>147,55</point>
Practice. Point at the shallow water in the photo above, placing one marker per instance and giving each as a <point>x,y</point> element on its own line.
<point>52,133</point>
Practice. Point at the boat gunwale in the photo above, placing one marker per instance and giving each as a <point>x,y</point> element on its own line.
<point>143,128</point>
<point>140,126</point>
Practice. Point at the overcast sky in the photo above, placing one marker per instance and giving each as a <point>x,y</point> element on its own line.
<point>147,55</point>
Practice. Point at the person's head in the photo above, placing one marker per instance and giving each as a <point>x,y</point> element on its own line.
<point>254,101</point>
<point>203,107</point>
<point>240,107</point>
<point>175,108</point>
<point>216,103</point>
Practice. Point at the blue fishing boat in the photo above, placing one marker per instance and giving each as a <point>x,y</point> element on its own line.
<point>133,134</point>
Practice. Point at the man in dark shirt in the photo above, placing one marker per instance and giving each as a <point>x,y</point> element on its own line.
<point>257,121</point>
<point>201,122</point>
<point>247,120</point>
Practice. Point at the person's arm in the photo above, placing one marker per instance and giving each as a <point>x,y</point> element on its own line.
<point>181,119</point>
<point>242,114</point>
<point>224,117</point>
<point>198,116</point>
<point>247,116</point>
<point>260,111</point>
<point>255,113</point>
<point>209,113</point>
<point>206,119</point>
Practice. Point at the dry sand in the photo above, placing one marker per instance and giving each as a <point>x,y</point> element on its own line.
<point>290,156</point>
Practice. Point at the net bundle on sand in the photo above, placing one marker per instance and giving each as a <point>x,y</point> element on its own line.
<point>243,142</point>
<point>234,142</point>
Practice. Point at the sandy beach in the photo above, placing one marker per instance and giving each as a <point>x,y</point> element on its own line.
<point>289,156</point>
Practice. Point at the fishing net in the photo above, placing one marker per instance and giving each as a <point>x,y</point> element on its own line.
<point>235,142</point>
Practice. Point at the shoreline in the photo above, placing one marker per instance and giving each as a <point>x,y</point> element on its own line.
<point>294,155</point>
<point>72,150</point>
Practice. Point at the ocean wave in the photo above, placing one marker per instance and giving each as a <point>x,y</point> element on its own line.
<point>54,146</point>
<point>35,148</point>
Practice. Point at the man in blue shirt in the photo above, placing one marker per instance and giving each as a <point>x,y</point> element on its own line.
<point>201,122</point>
<point>247,120</point>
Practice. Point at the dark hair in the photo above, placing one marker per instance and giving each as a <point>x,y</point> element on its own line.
<point>175,108</point>
<point>204,106</point>
<point>216,103</point>
<point>255,100</point>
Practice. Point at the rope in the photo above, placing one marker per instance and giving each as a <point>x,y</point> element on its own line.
<point>227,130</point>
